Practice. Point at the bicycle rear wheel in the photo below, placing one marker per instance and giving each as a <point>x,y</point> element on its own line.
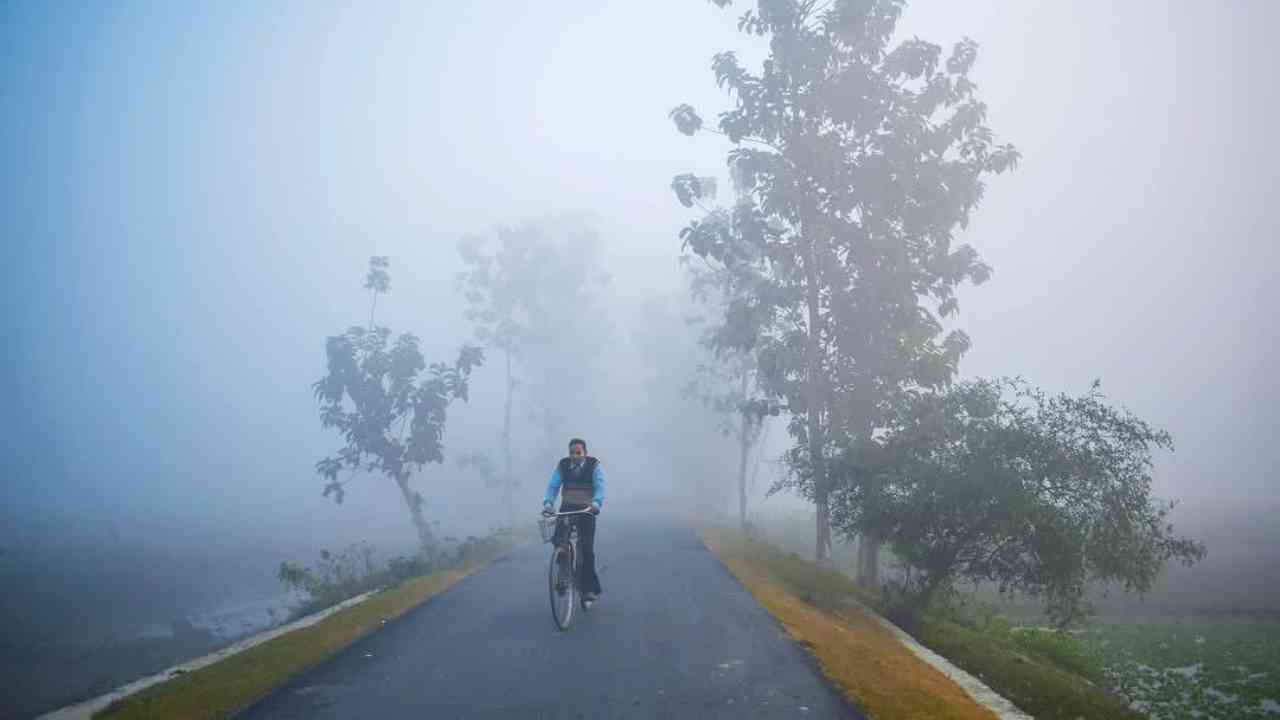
<point>563,589</point>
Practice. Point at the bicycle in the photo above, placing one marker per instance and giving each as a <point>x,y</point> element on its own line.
<point>566,566</point>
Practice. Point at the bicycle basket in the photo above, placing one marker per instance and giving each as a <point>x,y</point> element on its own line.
<point>547,526</point>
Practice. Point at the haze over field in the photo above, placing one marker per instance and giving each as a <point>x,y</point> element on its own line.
<point>192,192</point>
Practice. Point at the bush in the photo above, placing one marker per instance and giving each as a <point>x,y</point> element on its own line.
<point>403,567</point>
<point>337,577</point>
<point>995,481</point>
<point>358,569</point>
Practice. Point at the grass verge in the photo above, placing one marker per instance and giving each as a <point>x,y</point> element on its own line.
<point>225,687</point>
<point>1029,679</point>
<point>1044,674</point>
<point>873,670</point>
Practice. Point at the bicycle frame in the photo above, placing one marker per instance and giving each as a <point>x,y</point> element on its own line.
<point>569,544</point>
<point>572,536</point>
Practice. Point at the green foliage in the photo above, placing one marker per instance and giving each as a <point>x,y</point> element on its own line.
<point>388,410</point>
<point>1037,684</point>
<point>1047,676</point>
<point>529,290</point>
<point>728,386</point>
<point>686,120</point>
<point>359,568</point>
<point>1064,649</point>
<point>479,550</point>
<point>342,575</point>
<point>1203,670</point>
<point>720,388</point>
<point>856,162</point>
<point>378,278</point>
<point>995,481</point>
<point>403,567</point>
<point>387,404</point>
<point>525,284</point>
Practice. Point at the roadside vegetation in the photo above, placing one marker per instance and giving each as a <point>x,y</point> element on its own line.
<point>1048,675</point>
<point>1204,670</point>
<point>817,607</point>
<point>358,568</point>
<point>232,684</point>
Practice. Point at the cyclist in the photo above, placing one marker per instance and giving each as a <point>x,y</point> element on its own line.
<point>580,481</point>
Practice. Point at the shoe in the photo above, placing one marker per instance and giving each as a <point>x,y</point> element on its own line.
<point>590,597</point>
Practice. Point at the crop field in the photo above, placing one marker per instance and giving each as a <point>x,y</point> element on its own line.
<point>1183,670</point>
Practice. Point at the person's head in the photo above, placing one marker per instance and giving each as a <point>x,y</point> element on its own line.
<point>577,448</point>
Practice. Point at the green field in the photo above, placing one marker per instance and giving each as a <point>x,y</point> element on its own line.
<point>1188,670</point>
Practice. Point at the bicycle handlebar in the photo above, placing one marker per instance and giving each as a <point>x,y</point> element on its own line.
<point>584,511</point>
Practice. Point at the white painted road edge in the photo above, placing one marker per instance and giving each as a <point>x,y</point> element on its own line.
<point>85,710</point>
<point>976,689</point>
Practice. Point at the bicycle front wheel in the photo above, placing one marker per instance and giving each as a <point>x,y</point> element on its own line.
<point>563,588</point>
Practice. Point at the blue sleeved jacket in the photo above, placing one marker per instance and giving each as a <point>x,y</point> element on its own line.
<point>597,481</point>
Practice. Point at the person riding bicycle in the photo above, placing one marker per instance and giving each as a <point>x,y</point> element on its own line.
<point>581,481</point>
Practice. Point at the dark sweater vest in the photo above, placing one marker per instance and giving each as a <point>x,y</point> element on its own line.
<point>577,486</point>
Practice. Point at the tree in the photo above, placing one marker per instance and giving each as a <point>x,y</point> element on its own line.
<point>523,297</point>
<point>995,481</point>
<point>858,163</point>
<point>730,387</point>
<point>388,405</point>
<point>491,286</point>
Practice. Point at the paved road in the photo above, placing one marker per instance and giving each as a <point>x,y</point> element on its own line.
<point>674,636</point>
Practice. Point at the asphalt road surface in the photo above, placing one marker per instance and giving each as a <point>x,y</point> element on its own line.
<point>673,636</point>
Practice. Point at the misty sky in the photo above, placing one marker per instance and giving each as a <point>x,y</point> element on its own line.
<point>191,192</point>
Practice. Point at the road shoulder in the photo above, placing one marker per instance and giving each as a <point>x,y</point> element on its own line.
<point>222,683</point>
<point>870,664</point>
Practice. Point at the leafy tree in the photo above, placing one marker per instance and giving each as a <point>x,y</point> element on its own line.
<point>529,294</point>
<point>492,286</point>
<point>995,481</point>
<point>858,163</point>
<point>377,281</point>
<point>388,405</point>
<point>730,387</point>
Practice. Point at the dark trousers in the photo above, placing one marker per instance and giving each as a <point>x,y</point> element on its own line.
<point>587,580</point>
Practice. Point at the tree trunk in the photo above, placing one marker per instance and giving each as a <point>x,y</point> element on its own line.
<point>425,539</point>
<point>869,562</point>
<point>823,523</point>
<point>868,570</point>
<point>822,551</point>
<point>744,446</point>
<point>508,489</point>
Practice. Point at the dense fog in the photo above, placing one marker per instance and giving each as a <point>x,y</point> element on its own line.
<point>192,193</point>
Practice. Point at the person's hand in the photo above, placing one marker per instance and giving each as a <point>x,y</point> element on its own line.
<point>595,509</point>
<point>547,511</point>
